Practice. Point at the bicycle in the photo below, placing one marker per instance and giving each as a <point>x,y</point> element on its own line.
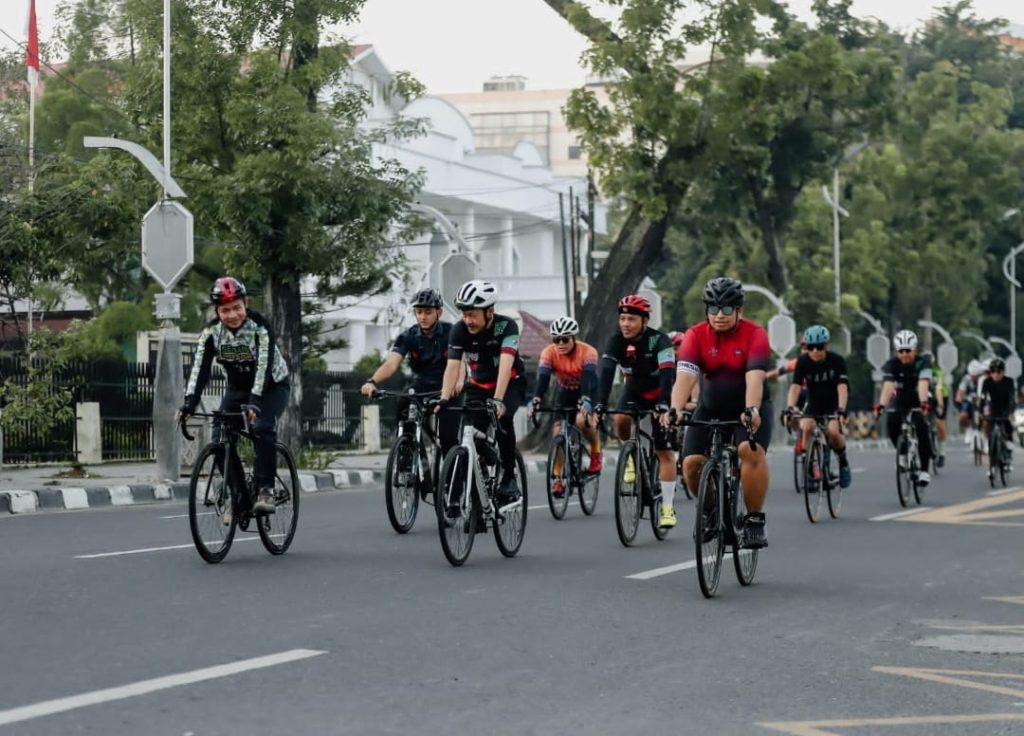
<point>466,492</point>
<point>799,452</point>
<point>998,460</point>
<point>219,483</point>
<point>630,505</point>
<point>819,478</point>
<point>908,464</point>
<point>573,476</point>
<point>414,461</point>
<point>720,516</point>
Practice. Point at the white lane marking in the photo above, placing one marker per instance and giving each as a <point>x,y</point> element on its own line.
<point>898,514</point>
<point>539,506</point>
<point>157,549</point>
<point>669,569</point>
<point>857,470</point>
<point>185,516</point>
<point>145,687</point>
<point>1003,491</point>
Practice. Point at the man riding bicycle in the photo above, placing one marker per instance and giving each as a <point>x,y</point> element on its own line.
<point>645,357</point>
<point>998,396</point>
<point>574,365</point>
<point>731,354</point>
<point>425,344</point>
<point>824,375</point>
<point>905,382</point>
<point>489,342</point>
<point>242,341</point>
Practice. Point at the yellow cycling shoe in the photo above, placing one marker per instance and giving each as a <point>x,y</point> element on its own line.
<point>668,517</point>
<point>629,476</point>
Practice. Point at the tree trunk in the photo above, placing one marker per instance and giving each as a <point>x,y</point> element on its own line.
<point>286,319</point>
<point>928,339</point>
<point>777,278</point>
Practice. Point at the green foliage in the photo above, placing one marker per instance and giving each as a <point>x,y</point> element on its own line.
<point>103,338</point>
<point>38,399</point>
<point>368,363</point>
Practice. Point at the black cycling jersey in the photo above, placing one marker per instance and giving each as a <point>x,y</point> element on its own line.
<point>906,377</point>
<point>647,363</point>
<point>483,350</point>
<point>428,355</point>
<point>1000,397</point>
<point>822,381</point>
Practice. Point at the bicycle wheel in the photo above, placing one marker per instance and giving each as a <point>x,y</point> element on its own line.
<point>510,526</point>
<point>277,530</point>
<point>995,456</point>
<point>708,533</point>
<point>977,447</point>
<point>744,561</point>
<point>798,470</point>
<point>903,480</point>
<point>835,491</point>
<point>454,506</point>
<point>557,457</point>
<point>814,481</point>
<point>681,480</point>
<point>208,498</point>
<point>589,483</point>
<point>627,495</point>
<point>400,494</point>
<point>654,468</point>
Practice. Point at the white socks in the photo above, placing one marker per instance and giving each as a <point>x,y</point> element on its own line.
<point>668,492</point>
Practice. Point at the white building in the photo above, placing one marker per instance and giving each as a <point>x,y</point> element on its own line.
<point>505,209</point>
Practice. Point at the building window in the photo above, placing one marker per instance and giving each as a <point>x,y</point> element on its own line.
<point>574,153</point>
<point>499,132</point>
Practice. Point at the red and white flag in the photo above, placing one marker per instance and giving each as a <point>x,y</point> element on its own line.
<point>32,52</point>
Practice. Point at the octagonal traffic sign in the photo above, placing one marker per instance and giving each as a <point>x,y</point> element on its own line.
<point>782,333</point>
<point>1013,367</point>
<point>167,244</point>
<point>878,350</point>
<point>456,269</point>
<point>948,356</point>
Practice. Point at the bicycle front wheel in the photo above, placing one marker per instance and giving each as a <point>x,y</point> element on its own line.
<point>903,479</point>
<point>798,470</point>
<point>558,458</point>
<point>277,530</point>
<point>835,490</point>
<point>209,500</point>
<point>995,456</point>
<point>400,494</point>
<point>654,478</point>
<point>813,480</point>
<point>510,525</point>
<point>454,506</point>
<point>627,493</point>
<point>744,561</point>
<point>708,532</point>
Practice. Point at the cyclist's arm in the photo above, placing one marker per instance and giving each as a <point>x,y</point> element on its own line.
<point>544,370</point>
<point>666,371</point>
<point>888,389</point>
<point>452,371</point>
<point>843,392</point>
<point>793,395</point>
<point>388,368</point>
<point>505,363</point>
<point>200,374</point>
<point>588,380</point>
<point>755,388</point>
<point>608,368</point>
<point>922,390</point>
<point>684,385</point>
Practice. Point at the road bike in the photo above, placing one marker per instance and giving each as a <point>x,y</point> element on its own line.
<point>414,461</point>
<point>466,495</point>
<point>220,484</point>
<point>643,493</point>
<point>570,453</point>
<point>820,472</point>
<point>998,455</point>
<point>908,463</point>
<point>721,509</point>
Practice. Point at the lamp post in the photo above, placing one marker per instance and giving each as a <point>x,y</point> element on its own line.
<point>837,210</point>
<point>1010,272</point>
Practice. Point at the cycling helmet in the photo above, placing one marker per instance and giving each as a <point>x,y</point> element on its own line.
<point>476,294</point>
<point>975,368</point>
<point>816,335</point>
<point>905,340</point>
<point>427,298</point>
<point>724,292</point>
<point>635,304</point>
<point>226,289</point>
<point>564,327</point>
<point>996,364</point>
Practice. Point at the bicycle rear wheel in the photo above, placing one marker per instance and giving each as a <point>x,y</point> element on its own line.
<point>835,490</point>
<point>813,479</point>
<point>744,561</point>
<point>557,457</point>
<point>627,495</point>
<point>400,494</point>
<point>708,531</point>
<point>209,497</point>
<point>510,526</point>
<point>277,530</point>
<point>454,507</point>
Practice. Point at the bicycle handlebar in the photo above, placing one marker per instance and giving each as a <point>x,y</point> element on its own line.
<point>244,414</point>
<point>385,394</point>
<point>564,410</point>
<point>721,424</point>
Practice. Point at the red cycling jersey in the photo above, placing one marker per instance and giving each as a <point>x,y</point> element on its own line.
<point>724,358</point>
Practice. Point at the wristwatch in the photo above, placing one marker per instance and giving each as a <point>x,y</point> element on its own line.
<point>754,410</point>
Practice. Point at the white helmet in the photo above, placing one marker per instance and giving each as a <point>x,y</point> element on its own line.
<point>565,327</point>
<point>905,340</point>
<point>975,368</point>
<point>476,294</point>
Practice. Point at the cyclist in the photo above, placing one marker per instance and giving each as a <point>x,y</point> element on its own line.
<point>489,342</point>
<point>998,397</point>
<point>425,344</point>
<point>732,354</point>
<point>966,395</point>
<point>645,357</point>
<point>242,341</point>
<point>905,381</point>
<point>828,389</point>
<point>574,365</point>
<point>791,423</point>
<point>938,403</point>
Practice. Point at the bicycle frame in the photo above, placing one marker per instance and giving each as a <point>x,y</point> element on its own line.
<point>228,440</point>
<point>485,483</point>
<point>645,441</point>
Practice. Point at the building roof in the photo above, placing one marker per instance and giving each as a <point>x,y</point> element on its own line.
<point>535,336</point>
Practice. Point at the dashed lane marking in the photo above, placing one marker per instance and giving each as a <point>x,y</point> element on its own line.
<point>144,550</point>
<point>900,514</point>
<point>959,678</point>
<point>669,569</point>
<point>981,511</point>
<point>818,728</point>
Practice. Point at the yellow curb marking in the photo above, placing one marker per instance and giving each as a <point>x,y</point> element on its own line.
<point>1009,629</point>
<point>817,728</point>
<point>981,512</point>
<point>946,677</point>
<point>1018,599</point>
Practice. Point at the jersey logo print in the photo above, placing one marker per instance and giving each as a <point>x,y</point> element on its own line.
<point>236,353</point>
<point>499,327</point>
<point>652,341</point>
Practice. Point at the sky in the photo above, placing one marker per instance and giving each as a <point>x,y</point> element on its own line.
<point>454,45</point>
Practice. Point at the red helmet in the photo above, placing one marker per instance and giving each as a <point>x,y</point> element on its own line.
<point>635,304</point>
<point>226,289</point>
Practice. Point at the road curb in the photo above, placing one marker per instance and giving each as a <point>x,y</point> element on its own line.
<point>72,498</point>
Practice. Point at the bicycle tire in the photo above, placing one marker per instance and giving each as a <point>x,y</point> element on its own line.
<point>903,481</point>
<point>977,447</point>
<point>558,506</point>
<point>203,506</point>
<point>798,469</point>
<point>835,490</point>
<point>744,561</point>
<point>681,479</point>
<point>277,530</point>
<point>456,532</point>
<point>653,475</point>
<point>627,496</point>
<point>400,495</point>
<point>589,484</point>
<point>510,528</point>
<point>995,456</point>
<point>814,482</point>
<point>708,532</point>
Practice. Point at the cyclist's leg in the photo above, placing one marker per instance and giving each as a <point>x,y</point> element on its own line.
<point>274,401</point>
<point>515,394</point>
<point>805,429</point>
<point>924,441</point>
<point>754,475</point>
<point>231,403</point>
<point>894,425</point>
<point>695,451</point>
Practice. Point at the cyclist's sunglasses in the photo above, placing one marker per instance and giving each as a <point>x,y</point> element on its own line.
<point>727,310</point>
<point>905,350</point>
<point>561,340</point>
<point>816,347</point>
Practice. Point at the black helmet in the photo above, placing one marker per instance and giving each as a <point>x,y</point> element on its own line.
<point>996,365</point>
<point>427,298</point>
<point>724,292</point>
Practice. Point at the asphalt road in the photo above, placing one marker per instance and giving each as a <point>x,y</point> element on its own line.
<point>861,626</point>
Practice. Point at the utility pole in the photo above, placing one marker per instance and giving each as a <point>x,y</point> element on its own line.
<point>566,258</point>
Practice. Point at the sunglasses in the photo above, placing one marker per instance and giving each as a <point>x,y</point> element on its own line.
<point>901,351</point>
<point>561,340</point>
<point>714,309</point>
<point>815,347</point>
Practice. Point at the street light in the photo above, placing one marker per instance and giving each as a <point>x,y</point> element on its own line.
<point>837,210</point>
<point>1010,272</point>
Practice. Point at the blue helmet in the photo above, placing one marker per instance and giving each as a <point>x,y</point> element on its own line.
<point>817,335</point>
